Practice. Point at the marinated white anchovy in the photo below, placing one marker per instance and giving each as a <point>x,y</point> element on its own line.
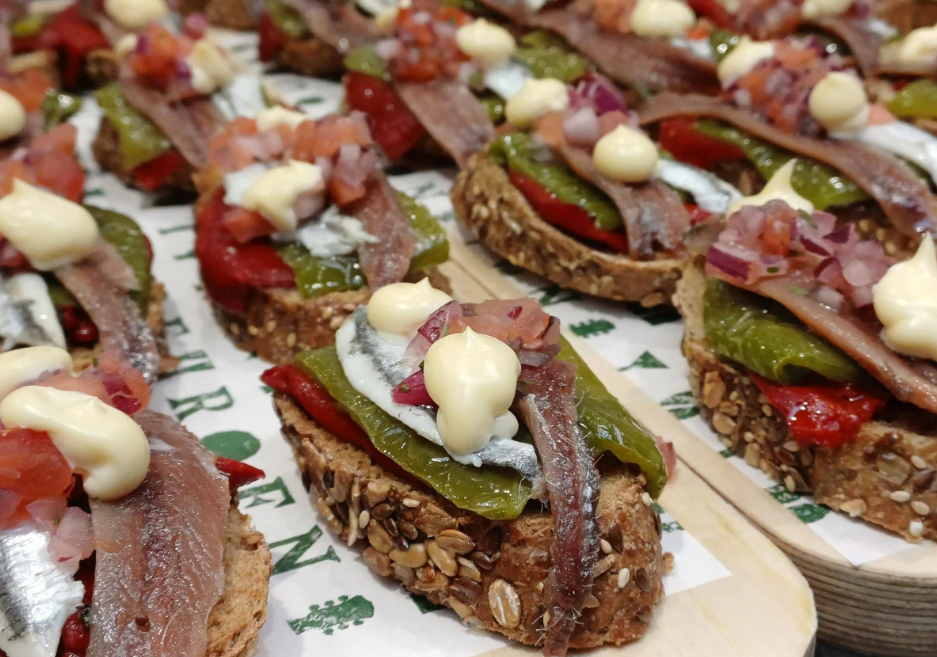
<point>27,315</point>
<point>710,192</point>
<point>904,140</point>
<point>374,366</point>
<point>36,596</point>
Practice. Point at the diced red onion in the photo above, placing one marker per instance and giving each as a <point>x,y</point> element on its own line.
<point>858,274</point>
<point>861,296</point>
<point>309,202</point>
<point>143,44</point>
<point>72,540</point>
<point>360,121</point>
<point>183,71</point>
<point>421,18</point>
<point>732,260</point>
<point>195,25</point>
<point>325,167</point>
<point>433,328</point>
<point>601,92</point>
<point>825,221</point>
<point>669,453</point>
<point>842,235</point>
<point>829,272</point>
<point>466,71</point>
<point>412,391</point>
<point>830,297</point>
<point>387,49</point>
<point>581,127</point>
<point>532,358</point>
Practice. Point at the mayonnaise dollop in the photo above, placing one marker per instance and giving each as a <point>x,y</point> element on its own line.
<point>104,445</point>
<point>274,193</point>
<point>21,366</point>
<point>135,14</point>
<point>488,44</point>
<point>625,154</point>
<point>279,115</point>
<point>905,301</point>
<point>778,188</point>
<point>813,9</point>
<point>49,230</point>
<point>473,379</point>
<point>917,48</point>
<point>536,98</point>
<point>743,58</point>
<point>400,309</point>
<point>12,116</point>
<point>838,102</point>
<point>661,18</point>
<point>211,68</point>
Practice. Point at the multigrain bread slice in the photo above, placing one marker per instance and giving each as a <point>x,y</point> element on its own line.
<point>885,476</point>
<point>232,14</point>
<point>497,212</point>
<point>279,323</point>
<point>106,150</point>
<point>235,621</point>
<point>101,67</point>
<point>491,574</point>
<point>907,15</point>
<point>83,357</point>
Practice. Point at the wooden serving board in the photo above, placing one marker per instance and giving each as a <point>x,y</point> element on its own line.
<point>763,609</point>
<point>886,607</point>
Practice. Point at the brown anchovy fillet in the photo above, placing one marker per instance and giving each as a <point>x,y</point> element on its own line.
<point>634,61</point>
<point>908,380</point>
<point>123,330</point>
<point>336,23</point>
<point>548,407</point>
<point>160,552</point>
<point>188,124</point>
<point>654,217</point>
<point>863,44</point>
<point>451,115</point>
<point>905,198</point>
<point>387,260</point>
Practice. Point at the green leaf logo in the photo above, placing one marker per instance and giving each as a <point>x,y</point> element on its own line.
<point>237,445</point>
<point>655,315</point>
<point>646,361</point>
<point>809,513</point>
<point>592,328</point>
<point>782,495</point>
<point>330,616</point>
<point>681,405</point>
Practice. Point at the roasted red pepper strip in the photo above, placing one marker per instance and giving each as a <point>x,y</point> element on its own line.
<point>697,214</point>
<point>293,381</point>
<point>150,175</point>
<point>393,126</point>
<point>272,38</point>
<point>239,473</point>
<point>69,34</point>
<point>827,415</point>
<point>679,138</point>
<point>230,269</point>
<point>567,216</point>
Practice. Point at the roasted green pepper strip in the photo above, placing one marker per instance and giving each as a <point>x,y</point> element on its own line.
<point>918,100</point>
<point>514,150</point>
<point>608,427</point>
<point>495,493</point>
<point>723,42</point>
<point>58,107</point>
<point>286,19</point>
<point>741,327</point>
<point>431,246</point>
<point>140,140</point>
<point>819,183</point>
<point>316,276</point>
<point>126,236</point>
<point>27,26</point>
<point>494,106</point>
<point>548,56</point>
<point>364,59</point>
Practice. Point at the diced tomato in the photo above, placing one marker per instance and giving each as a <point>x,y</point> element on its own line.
<point>76,635</point>
<point>60,139</point>
<point>793,58</point>
<point>717,14</point>
<point>394,127</point>
<point>294,381</point>
<point>157,64</point>
<point>238,473</point>
<point>567,216</point>
<point>696,213</point>
<point>333,132</point>
<point>828,414</point>
<point>247,225</point>
<point>31,468</point>
<point>72,37</point>
<point>778,230</point>
<point>150,175</point>
<point>679,138</point>
<point>272,38</point>
<point>29,88</point>
<point>412,391</point>
<point>9,171</point>
<point>230,269</point>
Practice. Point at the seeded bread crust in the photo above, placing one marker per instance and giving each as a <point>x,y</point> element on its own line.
<point>106,150</point>
<point>101,67</point>
<point>83,358</point>
<point>885,476</point>
<point>310,57</point>
<point>235,621</point>
<point>491,207</point>
<point>279,323</point>
<point>490,573</point>
<point>232,14</point>
<point>907,15</point>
